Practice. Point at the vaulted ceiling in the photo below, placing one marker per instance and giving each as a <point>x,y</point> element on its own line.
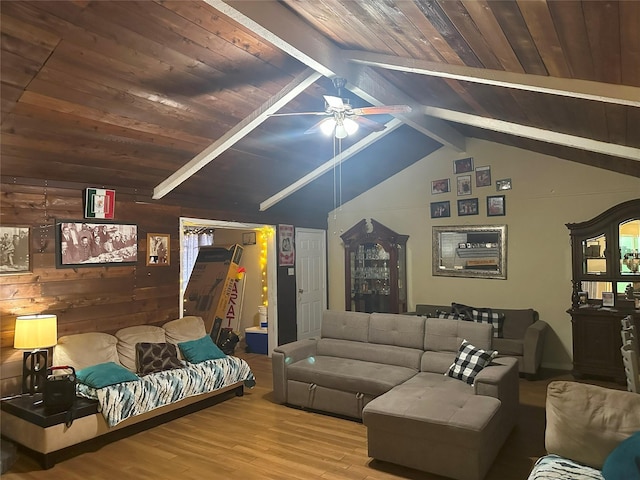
<point>172,99</point>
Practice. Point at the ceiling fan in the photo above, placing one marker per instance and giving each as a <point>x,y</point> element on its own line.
<point>342,119</point>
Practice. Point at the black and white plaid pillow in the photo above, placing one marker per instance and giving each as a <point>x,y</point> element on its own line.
<point>470,360</point>
<point>485,315</point>
<point>449,315</point>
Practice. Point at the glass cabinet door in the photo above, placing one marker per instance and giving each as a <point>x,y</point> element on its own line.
<point>629,235</point>
<point>593,254</point>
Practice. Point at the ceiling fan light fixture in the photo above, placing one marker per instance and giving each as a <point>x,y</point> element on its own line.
<point>351,126</point>
<point>327,126</point>
<point>341,130</point>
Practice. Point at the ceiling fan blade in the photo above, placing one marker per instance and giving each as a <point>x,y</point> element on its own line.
<point>369,124</point>
<point>297,113</point>
<point>334,102</point>
<point>383,109</point>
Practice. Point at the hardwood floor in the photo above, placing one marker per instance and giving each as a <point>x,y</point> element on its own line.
<point>251,437</point>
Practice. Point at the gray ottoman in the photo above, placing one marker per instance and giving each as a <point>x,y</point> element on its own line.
<point>437,427</point>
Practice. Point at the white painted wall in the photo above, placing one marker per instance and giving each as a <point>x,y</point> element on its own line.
<point>547,193</point>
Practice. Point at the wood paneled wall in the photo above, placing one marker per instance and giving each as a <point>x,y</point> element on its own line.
<point>86,299</point>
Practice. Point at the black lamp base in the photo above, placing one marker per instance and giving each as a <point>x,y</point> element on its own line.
<point>34,371</point>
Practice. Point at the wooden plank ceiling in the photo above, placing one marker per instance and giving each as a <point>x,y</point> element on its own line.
<point>125,94</point>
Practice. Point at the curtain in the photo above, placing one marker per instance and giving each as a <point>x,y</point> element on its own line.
<point>192,243</point>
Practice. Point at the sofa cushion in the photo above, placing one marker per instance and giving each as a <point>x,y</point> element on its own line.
<point>401,331</point>
<point>156,357</point>
<point>517,321</point>
<point>85,349</point>
<point>184,329</point>
<point>481,315</point>
<point>436,409</point>
<point>508,347</point>
<point>388,354</point>
<point>349,375</point>
<point>586,422</point>
<point>446,335</point>
<point>624,462</point>
<point>470,361</point>
<point>345,325</point>
<point>201,350</point>
<point>105,374</point>
<point>129,336</point>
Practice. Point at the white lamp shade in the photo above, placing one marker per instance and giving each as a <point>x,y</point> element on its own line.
<point>351,126</point>
<point>35,331</point>
<point>327,126</point>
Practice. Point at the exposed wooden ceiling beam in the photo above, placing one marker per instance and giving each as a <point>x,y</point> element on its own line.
<point>275,103</point>
<point>285,30</point>
<point>328,165</point>
<point>567,87</point>
<point>535,133</point>
<point>372,87</point>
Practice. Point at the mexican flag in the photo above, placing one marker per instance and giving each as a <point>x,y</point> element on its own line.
<point>99,203</point>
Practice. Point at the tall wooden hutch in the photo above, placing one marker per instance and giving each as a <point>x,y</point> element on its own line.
<point>375,268</point>
<point>606,287</point>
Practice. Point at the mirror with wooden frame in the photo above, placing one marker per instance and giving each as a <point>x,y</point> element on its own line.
<point>470,251</point>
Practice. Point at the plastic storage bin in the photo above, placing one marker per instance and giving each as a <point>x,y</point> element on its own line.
<point>257,340</point>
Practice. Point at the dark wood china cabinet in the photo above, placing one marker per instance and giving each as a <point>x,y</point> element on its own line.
<point>375,268</point>
<point>606,287</point>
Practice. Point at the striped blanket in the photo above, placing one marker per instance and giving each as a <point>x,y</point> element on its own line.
<point>124,400</point>
<point>553,467</point>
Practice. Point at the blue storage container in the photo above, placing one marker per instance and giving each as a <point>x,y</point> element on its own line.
<point>257,340</point>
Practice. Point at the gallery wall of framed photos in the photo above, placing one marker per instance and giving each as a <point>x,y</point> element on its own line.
<point>471,186</point>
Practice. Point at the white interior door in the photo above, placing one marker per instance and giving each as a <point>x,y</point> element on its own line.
<point>311,280</point>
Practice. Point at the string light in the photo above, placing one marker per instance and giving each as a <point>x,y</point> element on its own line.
<point>265,234</point>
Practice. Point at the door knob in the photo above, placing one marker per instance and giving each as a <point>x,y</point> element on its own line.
<point>300,290</point>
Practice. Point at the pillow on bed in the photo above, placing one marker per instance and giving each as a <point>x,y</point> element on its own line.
<point>129,336</point>
<point>156,357</point>
<point>85,349</point>
<point>184,329</point>
<point>196,351</point>
<point>105,374</point>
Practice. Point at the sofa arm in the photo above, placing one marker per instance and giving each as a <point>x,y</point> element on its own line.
<point>501,380</point>
<point>533,347</point>
<point>285,355</point>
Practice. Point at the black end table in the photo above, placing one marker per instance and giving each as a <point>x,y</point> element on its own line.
<point>31,409</point>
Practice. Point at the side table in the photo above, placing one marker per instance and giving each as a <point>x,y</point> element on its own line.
<point>29,411</point>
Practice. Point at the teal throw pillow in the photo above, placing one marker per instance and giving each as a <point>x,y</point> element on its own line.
<point>624,462</point>
<point>105,374</point>
<point>197,351</point>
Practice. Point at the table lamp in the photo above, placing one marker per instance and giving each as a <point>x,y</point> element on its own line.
<point>33,333</point>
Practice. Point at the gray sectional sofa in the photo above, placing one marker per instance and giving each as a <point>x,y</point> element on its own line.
<point>523,334</point>
<point>390,371</point>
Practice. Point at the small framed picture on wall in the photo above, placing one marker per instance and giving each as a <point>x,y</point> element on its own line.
<point>483,176</point>
<point>158,249</point>
<point>496,206</point>
<point>468,207</point>
<point>504,184</point>
<point>440,209</point>
<point>440,186</point>
<point>463,165</point>
<point>464,185</point>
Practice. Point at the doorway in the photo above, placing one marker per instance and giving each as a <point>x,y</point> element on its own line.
<point>233,232</point>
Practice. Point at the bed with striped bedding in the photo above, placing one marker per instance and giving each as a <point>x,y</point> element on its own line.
<point>127,399</point>
<point>554,467</point>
